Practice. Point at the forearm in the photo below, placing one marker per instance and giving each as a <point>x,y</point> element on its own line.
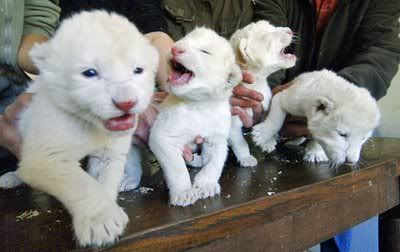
<point>376,55</point>
<point>24,61</point>
<point>373,72</point>
<point>163,43</point>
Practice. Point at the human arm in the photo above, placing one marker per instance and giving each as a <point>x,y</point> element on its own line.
<point>242,98</point>
<point>40,20</point>
<point>376,57</point>
<point>9,134</point>
<point>163,43</point>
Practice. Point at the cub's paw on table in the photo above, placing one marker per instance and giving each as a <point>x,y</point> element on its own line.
<point>261,138</point>
<point>10,180</point>
<point>102,227</point>
<point>206,189</point>
<point>315,156</point>
<point>183,197</point>
<point>249,161</point>
<point>128,184</point>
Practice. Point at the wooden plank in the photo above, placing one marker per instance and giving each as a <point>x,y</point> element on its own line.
<point>294,220</point>
<point>283,202</point>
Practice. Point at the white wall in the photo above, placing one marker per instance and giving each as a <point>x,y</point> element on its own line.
<point>390,109</point>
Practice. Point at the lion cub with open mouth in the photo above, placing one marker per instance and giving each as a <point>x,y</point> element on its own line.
<point>204,74</point>
<point>96,74</point>
<point>260,50</point>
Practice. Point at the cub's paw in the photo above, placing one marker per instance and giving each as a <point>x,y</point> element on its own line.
<point>10,180</point>
<point>197,161</point>
<point>98,228</point>
<point>128,184</point>
<point>248,161</point>
<point>205,190</point>
<point>132,172</point>
<point>315,156</point>
<point>182,198</point>
<point>263,138</point>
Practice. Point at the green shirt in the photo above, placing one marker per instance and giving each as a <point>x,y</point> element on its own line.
<point>19,18</point>
<point>360,43</point>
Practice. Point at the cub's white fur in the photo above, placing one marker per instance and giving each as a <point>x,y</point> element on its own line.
<point>259,50</point>
<point>340,116</point>
<point>198,105</point>
<point>75,113</point>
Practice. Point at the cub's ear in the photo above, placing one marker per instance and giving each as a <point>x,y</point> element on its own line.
<point>241,55</point>
<point>235,75</point>
<point>324,105</point>
<point>39,53</point>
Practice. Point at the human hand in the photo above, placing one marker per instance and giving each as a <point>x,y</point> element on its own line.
<point>243,98</point>
<point>294,126</point>
<point>147,118</point>
<point>187,153</point>
<point>10,137</point>
<point>163,42</point>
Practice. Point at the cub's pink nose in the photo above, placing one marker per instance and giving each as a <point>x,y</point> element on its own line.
<point>176,51</point>
<point>125,105</point>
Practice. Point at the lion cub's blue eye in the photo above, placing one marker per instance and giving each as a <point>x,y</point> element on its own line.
<point>90,73</point>
<point>138,70</point>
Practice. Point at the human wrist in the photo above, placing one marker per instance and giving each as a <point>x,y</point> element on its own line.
<point>23,59</point>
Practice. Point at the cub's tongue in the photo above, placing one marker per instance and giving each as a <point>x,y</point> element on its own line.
<point>178,78</point>
<point>120,123</point>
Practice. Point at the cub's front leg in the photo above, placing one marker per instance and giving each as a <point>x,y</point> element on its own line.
<point>264,133</point>
<point>239,144</point>
<point>214,154</point>
<point>169,155</point>
<point>96,217</point>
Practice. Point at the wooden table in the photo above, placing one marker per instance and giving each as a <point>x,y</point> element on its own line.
<point>283,204</point>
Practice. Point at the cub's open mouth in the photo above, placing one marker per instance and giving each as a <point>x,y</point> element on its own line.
<point>285,53</point>
<point>180,74</point>
<point>120,123</point>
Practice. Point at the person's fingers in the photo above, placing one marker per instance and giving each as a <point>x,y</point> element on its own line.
<point>160,96</point>
<point>13,111</point>
<point>247,77</point>
<point>245,92</point>
<point>10,137</point>
<point>246,119</point>
<point>293,130</point>
<point>146,120</point>
<point>187,153</point>
<point>242,102</point>
<point>198,140</point>
<point>142,133</point>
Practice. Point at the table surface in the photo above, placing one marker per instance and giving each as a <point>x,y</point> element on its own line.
<point>283,204</point>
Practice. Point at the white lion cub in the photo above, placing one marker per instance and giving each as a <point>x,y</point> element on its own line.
<point>204,74</point>
<point>259,50</point>
<point>340,116</point>
<point>96,74</point>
